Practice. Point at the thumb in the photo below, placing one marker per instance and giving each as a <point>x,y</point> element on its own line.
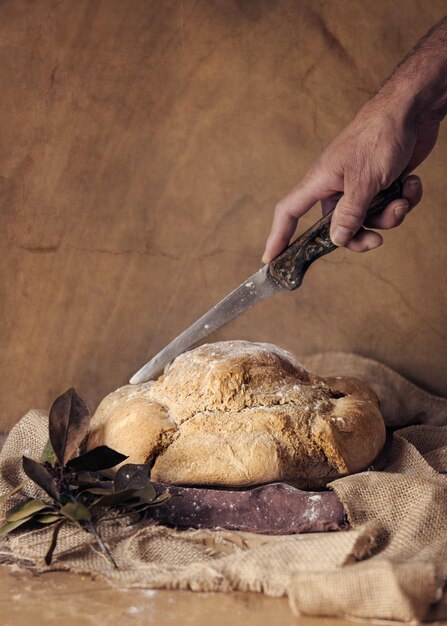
<point>350,213</point>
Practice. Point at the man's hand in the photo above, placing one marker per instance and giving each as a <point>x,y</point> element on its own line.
<point>390,136</point>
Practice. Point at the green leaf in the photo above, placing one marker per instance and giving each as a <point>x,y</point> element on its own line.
<point>25,509</point>
<point>52,546</point>
<point>68,425</point>
<point>47,518</point>
<point>116,498</point>
<point>6,496</point>
<point>156,502</point>
<point>6,528</point>
<point>163,497</point>
<point>97,491</point>
<point>84,477</point>
<point>97,459</point>
<point>48,454</point>
<point>132,476</point>
<point>146,494</point>
<point>145,498</point>
<point>40,475</point>
<point>76,512</point>
<point>88,480</point>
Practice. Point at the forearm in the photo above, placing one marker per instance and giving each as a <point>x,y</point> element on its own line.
<point>419,84</point>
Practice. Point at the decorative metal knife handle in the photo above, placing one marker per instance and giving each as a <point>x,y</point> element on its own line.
<point>289,267</point>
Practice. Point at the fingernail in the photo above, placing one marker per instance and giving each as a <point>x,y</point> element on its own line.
<point>415,184</point>
<point>401,210</point>
<point>341,236</point>
<point>375,245</point>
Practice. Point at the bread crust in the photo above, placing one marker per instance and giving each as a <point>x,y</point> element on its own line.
<point>238,414</point>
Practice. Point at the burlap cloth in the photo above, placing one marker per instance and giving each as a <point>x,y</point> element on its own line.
<point>391,565</point>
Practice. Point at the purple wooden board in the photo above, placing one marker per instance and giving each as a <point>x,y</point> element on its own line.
<point>275,509</point>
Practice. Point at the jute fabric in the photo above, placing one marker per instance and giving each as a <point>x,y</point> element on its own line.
<point>391,564</point>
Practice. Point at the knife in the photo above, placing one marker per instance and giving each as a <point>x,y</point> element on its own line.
<point>284,273</point>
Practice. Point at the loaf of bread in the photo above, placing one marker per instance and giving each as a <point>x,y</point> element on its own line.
<point>238,413</point>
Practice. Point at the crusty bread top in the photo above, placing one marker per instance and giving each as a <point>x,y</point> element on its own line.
<point>241,413</point>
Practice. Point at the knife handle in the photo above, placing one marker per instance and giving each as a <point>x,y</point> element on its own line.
<point>289,267</point>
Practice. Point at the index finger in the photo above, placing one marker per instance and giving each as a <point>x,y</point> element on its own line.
<point>285,219</point>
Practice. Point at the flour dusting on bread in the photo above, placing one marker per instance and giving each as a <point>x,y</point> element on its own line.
<point>239,413</point>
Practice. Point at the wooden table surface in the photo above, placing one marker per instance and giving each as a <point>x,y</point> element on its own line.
<point>60,597</point>
<point>69,599</point>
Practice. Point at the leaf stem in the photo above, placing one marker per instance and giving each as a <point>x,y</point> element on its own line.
<point>49,554</point>
<point>91,527</point>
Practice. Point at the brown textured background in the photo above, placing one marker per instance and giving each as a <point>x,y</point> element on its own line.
<point>143,146</point>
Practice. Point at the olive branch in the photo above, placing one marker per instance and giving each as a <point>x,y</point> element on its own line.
<point>77,491</point>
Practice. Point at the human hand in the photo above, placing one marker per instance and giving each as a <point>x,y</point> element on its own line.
<point>381,144</point>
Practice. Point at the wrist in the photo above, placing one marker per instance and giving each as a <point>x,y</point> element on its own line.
<point>420,89</point>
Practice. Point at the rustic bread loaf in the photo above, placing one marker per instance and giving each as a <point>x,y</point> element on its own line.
<point>239,413</point>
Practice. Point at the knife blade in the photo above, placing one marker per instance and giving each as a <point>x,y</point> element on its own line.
<point>259,286</point>
<point>285,272</point>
